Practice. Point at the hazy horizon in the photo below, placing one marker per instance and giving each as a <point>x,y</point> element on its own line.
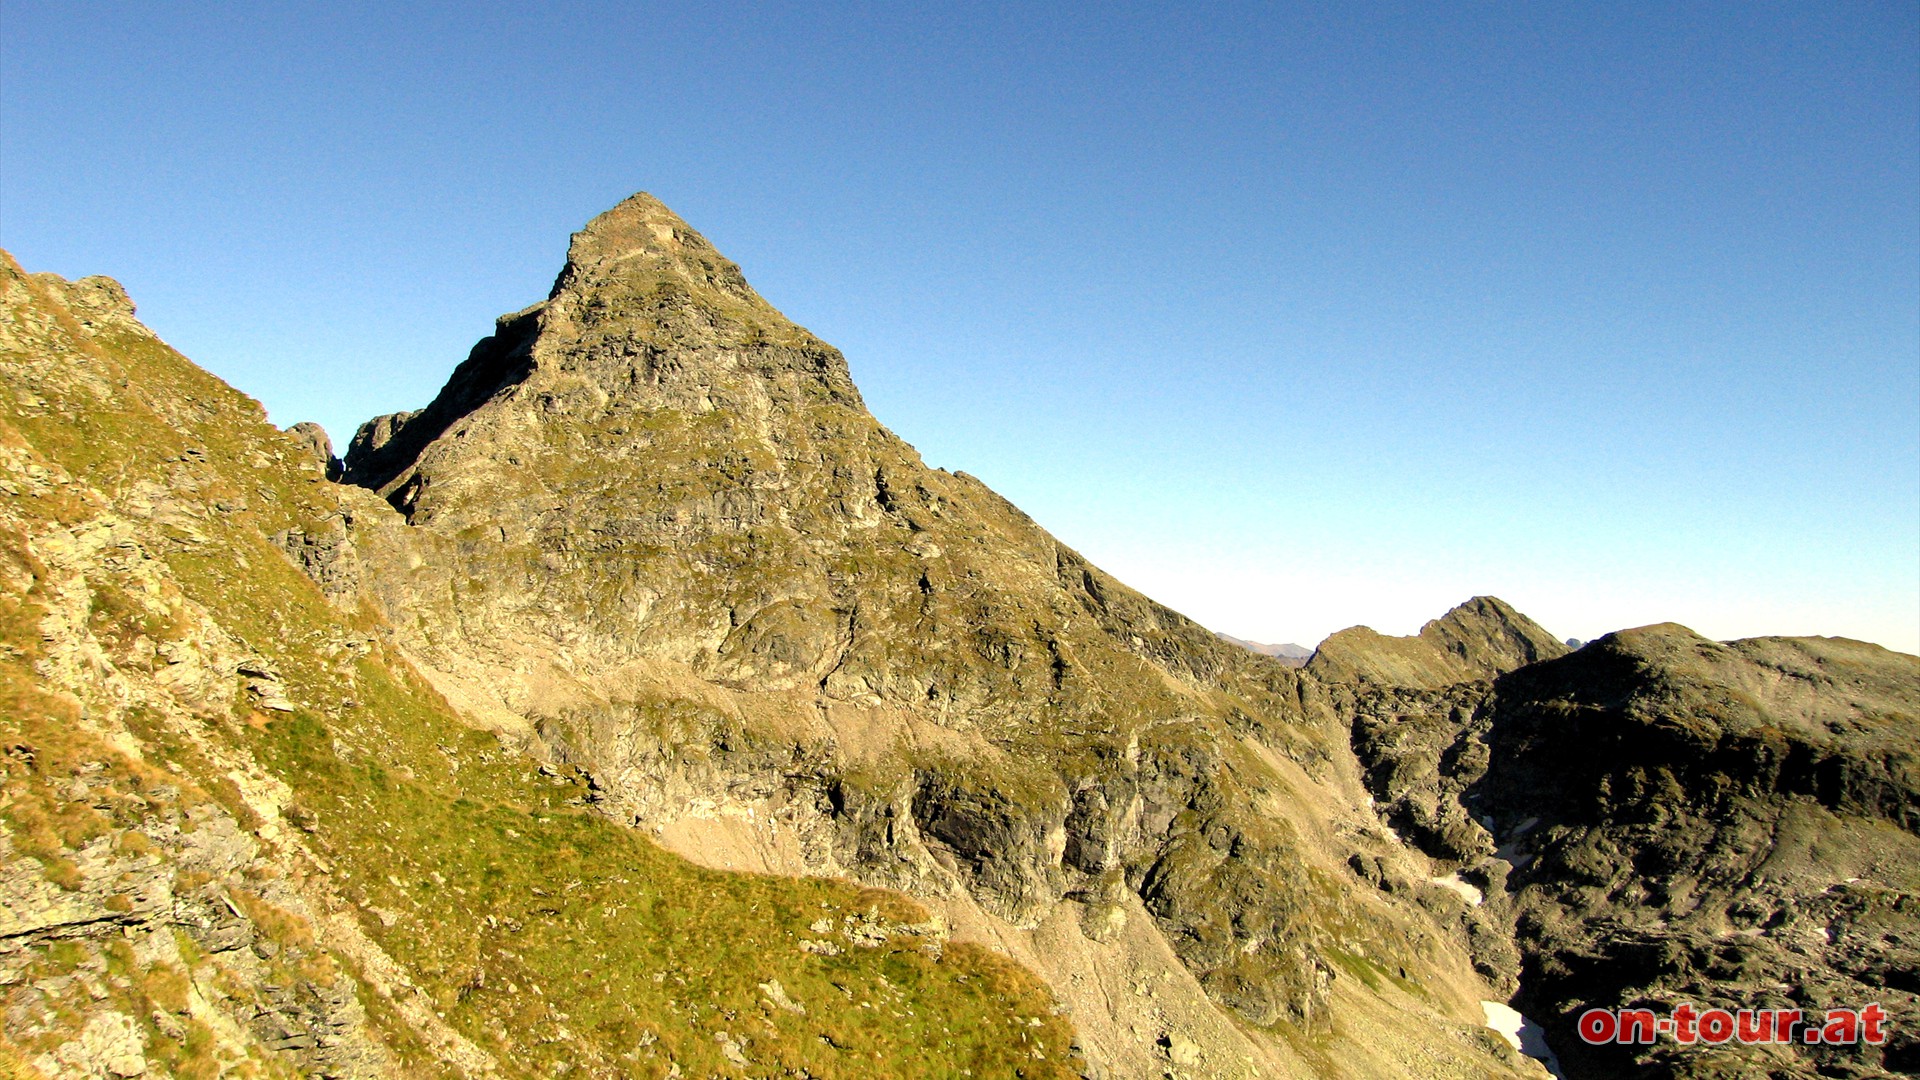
<point>1294,320</point>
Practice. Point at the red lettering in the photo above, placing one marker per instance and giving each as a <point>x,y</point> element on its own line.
<point>1871,1018</point>
<point>1683,1018</point>
<point>1689,1025</point>
<point>1637,1026</point>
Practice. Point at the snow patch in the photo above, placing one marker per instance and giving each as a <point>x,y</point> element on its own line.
<point>1473,895</point>
<point>1521,1033</point>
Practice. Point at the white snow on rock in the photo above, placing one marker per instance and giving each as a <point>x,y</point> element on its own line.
<point>1523,1034</point>
<point>1452,881</point>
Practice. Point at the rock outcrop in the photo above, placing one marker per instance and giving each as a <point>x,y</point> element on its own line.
<point>1734,825</point>
<point>319,448</point>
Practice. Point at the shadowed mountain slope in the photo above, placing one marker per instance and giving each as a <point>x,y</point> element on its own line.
<point>1734,825</point>
<point>1658,819</point>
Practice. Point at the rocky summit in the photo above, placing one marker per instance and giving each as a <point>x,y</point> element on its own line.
<point>642,706</point>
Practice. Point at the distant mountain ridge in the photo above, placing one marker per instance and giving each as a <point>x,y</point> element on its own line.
<point>1479,639</point>
<point>1295,654</point>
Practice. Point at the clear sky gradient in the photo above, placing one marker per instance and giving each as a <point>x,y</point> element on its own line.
<point>1295,317</point>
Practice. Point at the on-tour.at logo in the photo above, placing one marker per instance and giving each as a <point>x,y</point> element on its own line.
<point>1687,1025</point>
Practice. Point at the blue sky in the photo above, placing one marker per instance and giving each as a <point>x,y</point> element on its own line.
<point>1295,317</point>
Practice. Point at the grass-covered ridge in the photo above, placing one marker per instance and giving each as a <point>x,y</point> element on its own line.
<point>552,940</point>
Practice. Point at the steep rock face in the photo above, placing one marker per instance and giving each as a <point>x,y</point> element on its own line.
<point>1728,824</point>
<point>1480,639</point>
<point>649,533</point>
<point>652,530</point>
<point>240,835</point>
<point>1665,819</point>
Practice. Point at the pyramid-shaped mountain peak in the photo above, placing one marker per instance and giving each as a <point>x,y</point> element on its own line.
<point>647,325</point>
<point>640,223</point>
<point>653,538</point>
<point>641,244</point>
<point>712,492</point>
